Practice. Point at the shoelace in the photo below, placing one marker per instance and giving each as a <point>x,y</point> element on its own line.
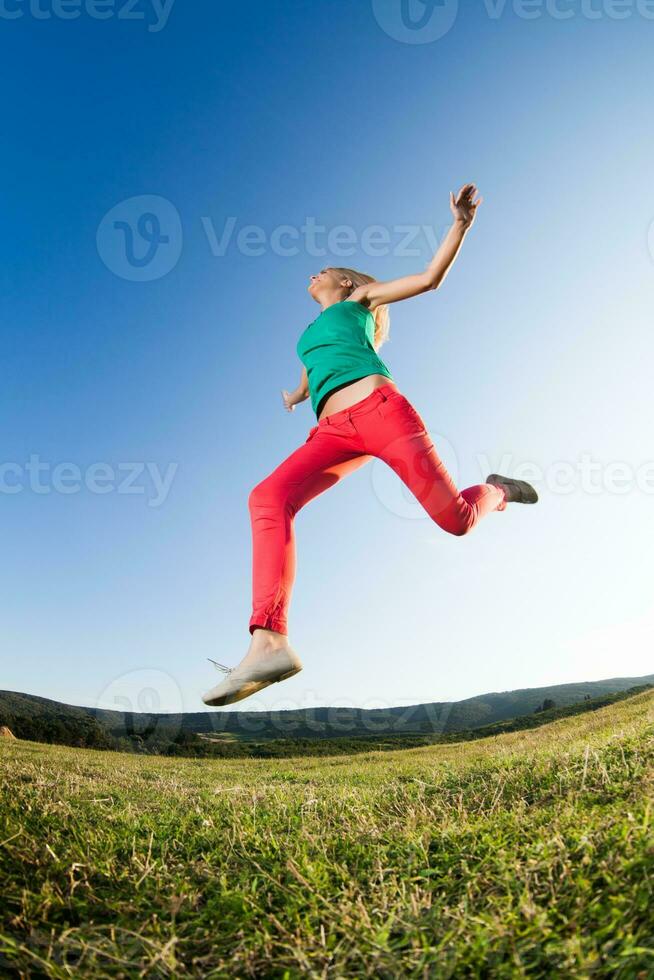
<point>225,670</point>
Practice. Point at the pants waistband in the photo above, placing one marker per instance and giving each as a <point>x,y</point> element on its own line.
<point>362,407</point>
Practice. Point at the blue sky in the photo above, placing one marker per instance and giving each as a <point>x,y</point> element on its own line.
<point>536,350</point>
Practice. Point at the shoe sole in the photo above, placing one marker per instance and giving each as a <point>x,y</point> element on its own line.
<point>527,493</point>
<point>252,687</point>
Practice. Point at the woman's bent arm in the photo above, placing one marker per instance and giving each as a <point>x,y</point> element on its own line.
<point>301,393</point>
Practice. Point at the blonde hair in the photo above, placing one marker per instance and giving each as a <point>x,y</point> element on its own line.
<point>381,315</point>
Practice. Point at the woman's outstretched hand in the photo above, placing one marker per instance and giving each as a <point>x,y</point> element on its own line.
<point>464,208</point>
<point>289,403</point>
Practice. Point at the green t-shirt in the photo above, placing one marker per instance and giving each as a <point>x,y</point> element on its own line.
<point>338,347</point>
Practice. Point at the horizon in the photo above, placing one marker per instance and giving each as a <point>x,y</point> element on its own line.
<point>327,707</point>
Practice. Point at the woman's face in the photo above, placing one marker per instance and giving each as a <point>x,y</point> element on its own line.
<point>325,279</point>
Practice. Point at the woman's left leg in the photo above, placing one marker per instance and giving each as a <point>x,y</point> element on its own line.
<point>396,433</point>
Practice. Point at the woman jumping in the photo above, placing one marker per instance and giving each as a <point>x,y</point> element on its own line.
<point>360,414</point>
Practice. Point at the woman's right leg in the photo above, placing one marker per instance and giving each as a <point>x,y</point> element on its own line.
<point>324,459</point>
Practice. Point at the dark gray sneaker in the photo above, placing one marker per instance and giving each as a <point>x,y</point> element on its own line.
<point>516,491</point>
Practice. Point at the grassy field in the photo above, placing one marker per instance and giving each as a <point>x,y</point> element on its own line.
<point>525,854</point>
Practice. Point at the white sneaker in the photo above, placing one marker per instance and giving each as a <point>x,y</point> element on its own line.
<point>241,682</point>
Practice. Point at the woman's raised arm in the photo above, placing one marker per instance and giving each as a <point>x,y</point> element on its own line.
<point>375,294</point>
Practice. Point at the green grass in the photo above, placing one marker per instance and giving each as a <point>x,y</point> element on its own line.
<point>524,854</point>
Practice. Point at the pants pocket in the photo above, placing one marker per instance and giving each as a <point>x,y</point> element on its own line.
<point>345,428</point>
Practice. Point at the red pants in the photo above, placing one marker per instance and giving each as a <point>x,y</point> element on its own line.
<point>384,424</point>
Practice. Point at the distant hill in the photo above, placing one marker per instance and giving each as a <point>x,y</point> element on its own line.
<point>40,719</point>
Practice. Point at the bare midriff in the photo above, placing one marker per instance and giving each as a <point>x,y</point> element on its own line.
<point>354,392</point>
